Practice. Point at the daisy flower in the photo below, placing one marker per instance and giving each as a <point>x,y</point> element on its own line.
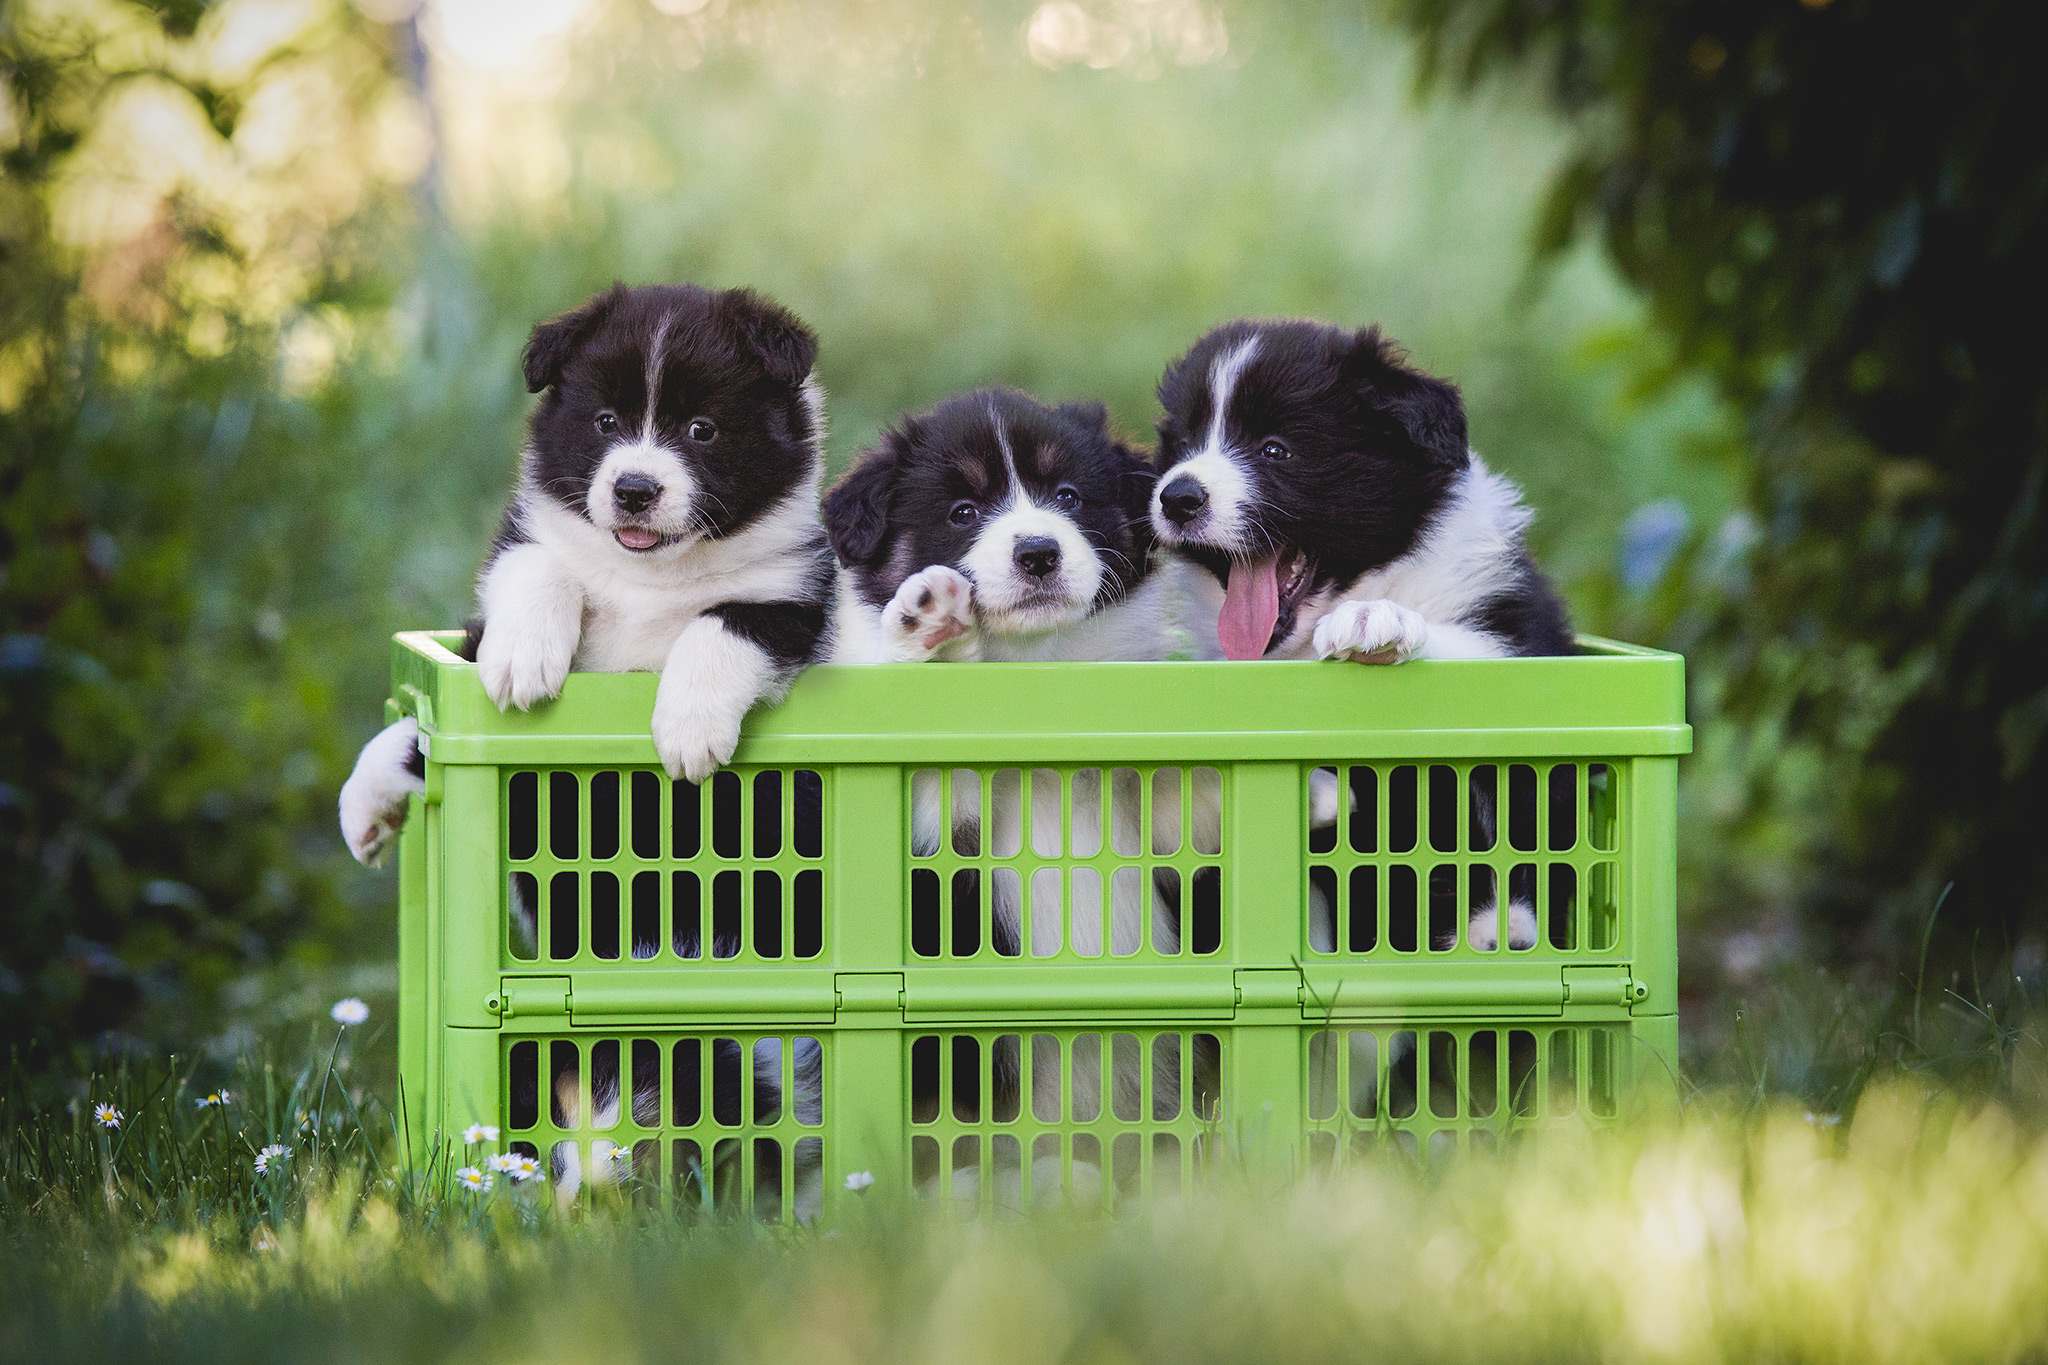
<point>213,1101</point>
<point>349,1011</point>
<point>276,1154</point>
<point>106,1116</point>
<point>504,1163</point>
<point>859,1180</point>
<point>523,1169</point>
<point>480,1132</point>
<point>473,1180</point>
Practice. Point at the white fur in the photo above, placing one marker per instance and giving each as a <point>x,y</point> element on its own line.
<point>373,800</point>
<point>934,607</point>
<point>1371,632</point>
<point>712,679</point>
<point>533,612</point>
<point>635,605</point>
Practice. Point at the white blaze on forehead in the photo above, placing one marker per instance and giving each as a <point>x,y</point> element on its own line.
<point>1223,374</point>
<point>656,345</point>
<point>1009,458</point>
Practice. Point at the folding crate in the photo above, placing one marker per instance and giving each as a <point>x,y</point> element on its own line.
<point>1240,894</point>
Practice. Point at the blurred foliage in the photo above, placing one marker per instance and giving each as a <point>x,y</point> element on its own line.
<point>195,202</point>
<point>270,264</point>
<point>1839,210</point>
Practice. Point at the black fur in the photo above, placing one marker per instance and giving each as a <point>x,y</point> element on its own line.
<point>793,634</point>
<point>888,518</point>
<point>1371,449</point>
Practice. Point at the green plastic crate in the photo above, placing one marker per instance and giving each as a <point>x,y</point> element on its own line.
<point>1309,1007</point>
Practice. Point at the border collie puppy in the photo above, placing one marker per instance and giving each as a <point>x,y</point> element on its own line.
<point>1327,487</point>
<point>995,527</point>
<point>665,520</point>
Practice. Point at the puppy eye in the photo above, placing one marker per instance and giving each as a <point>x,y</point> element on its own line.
<point>1275,450</point>
<point>1068,497</point>
<point>963,514</point>
<point>702,429</point>
<point>608,423</point>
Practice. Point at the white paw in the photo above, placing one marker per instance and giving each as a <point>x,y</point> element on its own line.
<point>373,800</point>
<point>533,621</point>
<point>933,606</point>
<point>1484,929</point>
<point>1372,632</point>
<point>695,737</point>
<point>712,679</point>
<point>522,666</point>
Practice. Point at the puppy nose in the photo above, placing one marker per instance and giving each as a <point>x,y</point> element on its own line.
<point>632,492</point>
<point>1038,555</point>
<point>1182,499</point>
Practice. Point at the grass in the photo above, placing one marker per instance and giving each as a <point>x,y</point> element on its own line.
<point>1911,1224</point>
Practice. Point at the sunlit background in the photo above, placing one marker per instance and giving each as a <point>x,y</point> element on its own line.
<point>313,237</point>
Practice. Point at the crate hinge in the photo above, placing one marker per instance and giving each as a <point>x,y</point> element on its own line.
<point>530,997</point>
<point>869,999</point>
<point>1601,990</point>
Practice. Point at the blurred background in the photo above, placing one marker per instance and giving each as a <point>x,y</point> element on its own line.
<point>1745,295</point>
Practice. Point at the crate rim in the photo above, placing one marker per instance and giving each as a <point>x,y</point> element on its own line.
<point>1613,700</point>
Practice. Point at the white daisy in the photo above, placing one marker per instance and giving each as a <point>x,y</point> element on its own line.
<point>504,1163</point>
<point>106,1116</point>
<point>859,1180</point>
<point>276,1154</point>
<point>479,1132</point>
<point>523,1169</point>
<point>470,1178</point>
<point>350,1011</point>
<point>213,1101</point>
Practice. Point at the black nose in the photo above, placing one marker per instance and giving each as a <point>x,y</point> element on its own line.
<point>1038,555</point>
<point>632,492</point>
<point>1182,499</point>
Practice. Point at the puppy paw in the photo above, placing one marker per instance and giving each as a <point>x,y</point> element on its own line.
<point>1484,929</point>
<point>524,662</point>
<point>1371,632</point>
<point>373,800</point>
<point>933,606</point>
<point>695,739</point>
<point>712,679</point>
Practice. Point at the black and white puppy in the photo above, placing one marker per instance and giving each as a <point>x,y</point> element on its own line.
<point>666,520</point>
<point>994,527</point>
<point>1327,486</point>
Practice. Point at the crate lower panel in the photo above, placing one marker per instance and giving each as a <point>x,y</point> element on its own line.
<point>770,1124</point>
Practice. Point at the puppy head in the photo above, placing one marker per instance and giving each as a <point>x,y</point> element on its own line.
<point>1294,457</point>
<point>1040,508</point>
<point>671,413</point>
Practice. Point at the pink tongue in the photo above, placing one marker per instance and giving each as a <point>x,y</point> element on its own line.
<point>637,538</point>
<point>1251,604</point>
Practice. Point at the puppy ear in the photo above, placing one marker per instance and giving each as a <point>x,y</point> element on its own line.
<point>1089,416</point>
<point>784,346</point>
<point>553,342</point>
<point>857,507</point>
<point>1428,409</point>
